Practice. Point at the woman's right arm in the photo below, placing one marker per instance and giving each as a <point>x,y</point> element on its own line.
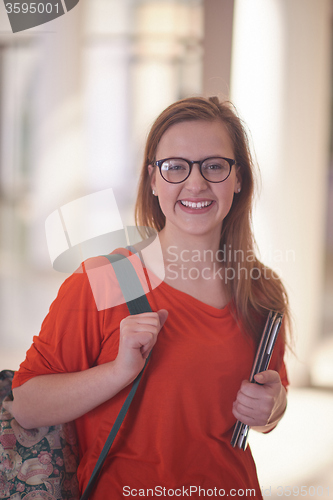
<point>58,398</point>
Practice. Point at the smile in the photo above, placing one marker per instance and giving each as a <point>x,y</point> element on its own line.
<point>200,204</point>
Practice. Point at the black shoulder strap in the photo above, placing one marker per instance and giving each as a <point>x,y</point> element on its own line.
<point>130,284</point>
<point>137,303</point>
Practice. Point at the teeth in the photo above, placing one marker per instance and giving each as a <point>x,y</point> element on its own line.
<point>200,204</point>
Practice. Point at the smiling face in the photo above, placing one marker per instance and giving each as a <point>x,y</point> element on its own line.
<point>195,206</point>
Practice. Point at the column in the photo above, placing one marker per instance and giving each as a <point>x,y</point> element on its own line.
<point>280,84</point>
<point>58,149</point>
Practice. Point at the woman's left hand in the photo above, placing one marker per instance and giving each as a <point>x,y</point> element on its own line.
<point>261,406</point>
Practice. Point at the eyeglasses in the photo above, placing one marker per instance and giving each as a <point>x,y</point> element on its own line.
<point>176,170</point>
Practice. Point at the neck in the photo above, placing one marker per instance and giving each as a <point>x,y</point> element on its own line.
<point>201,251</point>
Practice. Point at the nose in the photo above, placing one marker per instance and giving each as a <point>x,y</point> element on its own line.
<point>195,182</point>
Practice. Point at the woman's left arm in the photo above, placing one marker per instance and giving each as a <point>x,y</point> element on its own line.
<point>261,406</point>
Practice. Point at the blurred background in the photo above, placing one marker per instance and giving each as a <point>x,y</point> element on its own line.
<point>77,98</point>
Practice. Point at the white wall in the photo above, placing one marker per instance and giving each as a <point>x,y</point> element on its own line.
<point>280,85</point>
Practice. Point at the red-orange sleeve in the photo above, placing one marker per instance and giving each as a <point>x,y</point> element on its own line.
<point>277,361</point>
<point>71,334</point>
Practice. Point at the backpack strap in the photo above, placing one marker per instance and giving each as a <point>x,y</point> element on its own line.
<point>131,287</point>
<point>130,284</point>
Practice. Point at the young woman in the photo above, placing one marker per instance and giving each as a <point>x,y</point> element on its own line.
<point>196,190</point>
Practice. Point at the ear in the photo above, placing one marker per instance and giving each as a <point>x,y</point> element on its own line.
<point>238,183</point>
<point>152,176</point>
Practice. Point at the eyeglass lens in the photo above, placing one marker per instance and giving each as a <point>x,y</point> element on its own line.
<point>213,169</point>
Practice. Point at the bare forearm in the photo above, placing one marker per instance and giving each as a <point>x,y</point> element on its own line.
<point>58,398</point>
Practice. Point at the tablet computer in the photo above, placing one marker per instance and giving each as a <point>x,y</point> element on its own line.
<point>260,364</point>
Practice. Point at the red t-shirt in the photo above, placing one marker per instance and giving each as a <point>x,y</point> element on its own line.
<point>176,435</point>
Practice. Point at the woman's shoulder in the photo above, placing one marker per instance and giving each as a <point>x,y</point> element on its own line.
<point>93,279</point>
<point>102,278</point>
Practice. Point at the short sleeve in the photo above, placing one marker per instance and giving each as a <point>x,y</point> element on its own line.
<point>78,332</point>
<point>277,361</point>
<point>70,336</point>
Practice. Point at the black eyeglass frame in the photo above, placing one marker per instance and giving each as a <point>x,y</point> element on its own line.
<point>159,163</point>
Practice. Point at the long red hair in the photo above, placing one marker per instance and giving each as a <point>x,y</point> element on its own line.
<point>254,289</point>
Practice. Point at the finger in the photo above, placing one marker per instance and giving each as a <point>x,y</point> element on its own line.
<point>131,328</point>
<point>150,318</point>
<point>246,401</point>
<point>152,322</point>
<point>135,339</point>
<point>254,391</point>
<point>243,416</point>
<point>252,421</point>
<point>252,417</point>
<point>136,323</point>
<point>162,314</point>
<point>268,377</point>
<point>153,318</point>
<point>147,346</point>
